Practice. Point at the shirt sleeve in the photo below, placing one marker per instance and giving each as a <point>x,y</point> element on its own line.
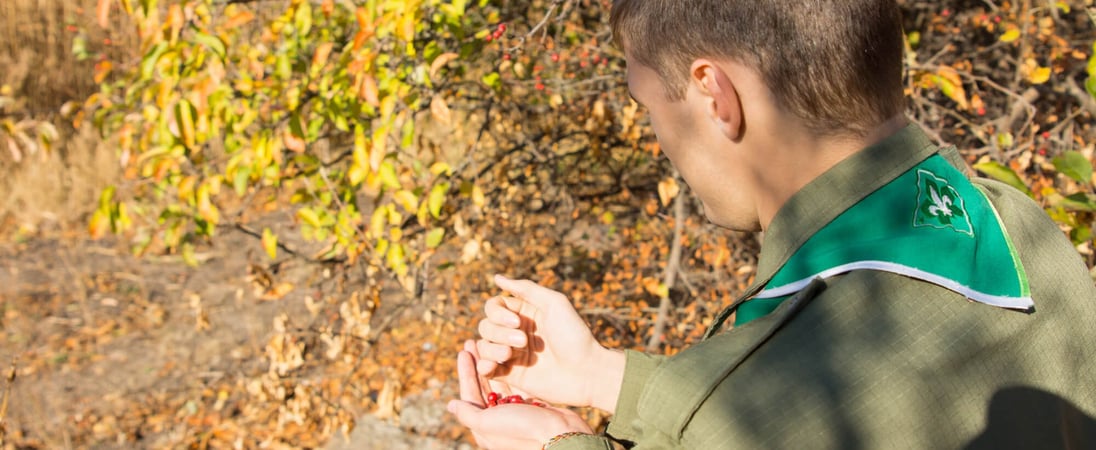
<point>637,370</point>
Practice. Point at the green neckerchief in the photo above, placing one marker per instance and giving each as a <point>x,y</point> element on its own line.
<point>930,223</point>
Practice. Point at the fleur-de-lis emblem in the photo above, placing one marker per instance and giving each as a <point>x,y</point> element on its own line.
<point>939,204</point>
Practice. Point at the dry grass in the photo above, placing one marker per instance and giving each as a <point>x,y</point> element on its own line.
<point>36,50</point>
<point>37,63</point>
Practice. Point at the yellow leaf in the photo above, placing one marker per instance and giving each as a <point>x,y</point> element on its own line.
<point>407,200</point>
<point>437,199</point>
<point>441,167</point>
<point>667,190</point>
<point>184,116</point>
<point>949,83</point>
<point>99,224</point>
<point>377,222</point>
<point>1040,75</point>
<point>309,217</point>
<point>1011,35</point>
<point>270,243</point>
<point>478,198</point>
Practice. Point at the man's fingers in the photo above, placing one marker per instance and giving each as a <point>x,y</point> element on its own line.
<point>491,351</point>
<point>493,332</point>
<point>469,381</point>
<point>540,296</point>
<point>500,310</point>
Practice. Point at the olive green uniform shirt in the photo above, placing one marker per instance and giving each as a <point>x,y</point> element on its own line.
<point>876,360</point>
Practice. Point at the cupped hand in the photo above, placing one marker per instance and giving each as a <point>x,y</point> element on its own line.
<point>535,341</point>
<point>508,426</point>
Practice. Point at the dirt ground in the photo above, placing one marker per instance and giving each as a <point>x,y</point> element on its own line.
<point>114,351</point>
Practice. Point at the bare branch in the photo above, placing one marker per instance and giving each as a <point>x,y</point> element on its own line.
<point>669,275</point>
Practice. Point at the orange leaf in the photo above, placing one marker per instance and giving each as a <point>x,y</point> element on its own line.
<point>323,52</point>
<point>102,13</point>
<point>439,109</point>
<point>368,91</point>
<point>102,69</point>
<point>667,190</point>
<point>292,141</point>
<point>241,18</point>
<point>440,62</point>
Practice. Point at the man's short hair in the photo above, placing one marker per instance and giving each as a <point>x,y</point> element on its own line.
<point>836,64</point>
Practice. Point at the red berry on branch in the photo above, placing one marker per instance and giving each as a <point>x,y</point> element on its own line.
<point>981,110</point>
<point>540,86</point>
<point>1046,135</point>
<point>555,57</point>
<point>506,56</point>
<point>1043,152</point>
<point>502,27</point>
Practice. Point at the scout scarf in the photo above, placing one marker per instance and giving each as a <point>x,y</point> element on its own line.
<point>930,223</point>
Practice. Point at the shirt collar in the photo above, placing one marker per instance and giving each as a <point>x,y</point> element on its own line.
<point>835,191</point>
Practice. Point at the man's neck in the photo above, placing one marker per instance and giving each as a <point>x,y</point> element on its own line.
<point>796,159</point>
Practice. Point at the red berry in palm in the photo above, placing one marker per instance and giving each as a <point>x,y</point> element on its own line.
<point>493,399</point>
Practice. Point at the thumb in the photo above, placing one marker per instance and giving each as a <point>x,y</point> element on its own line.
<point>538,295</point>
<point>467,413</point>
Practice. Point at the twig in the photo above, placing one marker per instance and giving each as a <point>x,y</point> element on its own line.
<point>669,275</point>
<point>6,400</point>
<point>543,21</point>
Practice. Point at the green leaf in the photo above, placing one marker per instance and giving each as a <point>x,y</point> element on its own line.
<point>1074,165</point>
<point>213,43</point>
<point>148,63</point>
<point>1002,173</point>
<point>434,237</point>
<point>1077,202</point>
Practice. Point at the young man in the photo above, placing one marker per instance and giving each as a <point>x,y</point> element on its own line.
<point>897,304</point>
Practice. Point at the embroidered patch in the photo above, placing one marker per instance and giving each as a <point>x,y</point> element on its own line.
<point>939,205</point>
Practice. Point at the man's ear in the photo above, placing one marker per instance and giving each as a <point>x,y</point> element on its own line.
<point>725,106</point>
